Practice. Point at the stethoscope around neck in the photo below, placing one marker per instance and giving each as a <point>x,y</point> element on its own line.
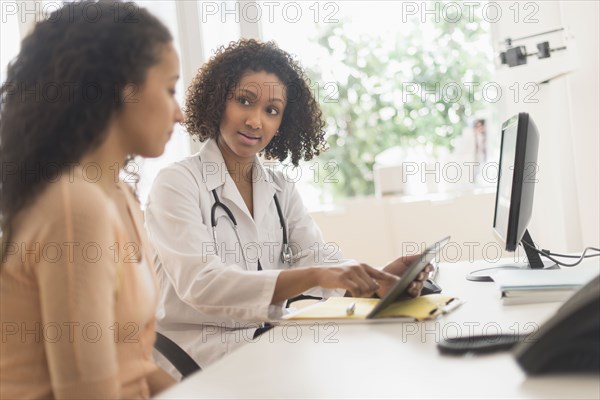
<point>286,252</point>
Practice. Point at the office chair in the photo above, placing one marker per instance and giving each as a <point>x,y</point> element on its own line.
<point>176,355</point>
<point>301,297</point>
<point>181,360</point>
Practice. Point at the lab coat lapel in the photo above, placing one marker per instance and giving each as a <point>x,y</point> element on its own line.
<point>232,197</point>
<point>264,187</point>
<point>213,165</point>
<point>214,172</point>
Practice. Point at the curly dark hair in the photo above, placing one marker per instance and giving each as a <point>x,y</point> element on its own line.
<point>64,87</point>
<point>301,133</point>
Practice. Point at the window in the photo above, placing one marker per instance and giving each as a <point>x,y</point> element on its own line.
<point>178,146</point>
<point>220,24</point>
<point>390,76</point>
<point>392,79</point>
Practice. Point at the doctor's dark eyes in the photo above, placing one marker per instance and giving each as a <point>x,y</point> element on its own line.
<point>272,111</point>
<point>245,101</point>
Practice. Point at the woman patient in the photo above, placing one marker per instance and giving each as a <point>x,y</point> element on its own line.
<point>78,291</point>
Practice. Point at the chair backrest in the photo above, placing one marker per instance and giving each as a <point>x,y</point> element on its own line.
<point>176,355</point>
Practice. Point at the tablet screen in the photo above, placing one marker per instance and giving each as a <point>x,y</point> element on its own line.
<point>411,273</point>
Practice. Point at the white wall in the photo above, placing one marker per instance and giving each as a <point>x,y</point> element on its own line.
<point>376,231</point>
<point>584,96</point>
<point>567,202</point>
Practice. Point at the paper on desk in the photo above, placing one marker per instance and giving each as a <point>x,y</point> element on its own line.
<point>535,296</point>
<point>553,279</point>
<point>420,308</point>
<point>335,308</point>
<point>540,286</point>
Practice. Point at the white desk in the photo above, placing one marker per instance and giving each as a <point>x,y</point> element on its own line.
<point>391,360</point>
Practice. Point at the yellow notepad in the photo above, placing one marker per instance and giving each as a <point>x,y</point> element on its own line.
<point>419,309</point>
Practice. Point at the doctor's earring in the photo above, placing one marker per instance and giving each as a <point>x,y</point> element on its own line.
<point>277,132</point>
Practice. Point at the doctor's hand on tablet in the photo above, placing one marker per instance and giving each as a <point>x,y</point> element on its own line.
<point>359,280</point>
<point>398,267</point>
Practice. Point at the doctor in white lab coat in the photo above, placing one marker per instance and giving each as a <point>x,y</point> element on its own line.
<point>217,286</point>
<point>204,295</point>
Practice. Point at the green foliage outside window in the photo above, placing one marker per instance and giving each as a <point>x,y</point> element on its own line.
<point>367,101</point>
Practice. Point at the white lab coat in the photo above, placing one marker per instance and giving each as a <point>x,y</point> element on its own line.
<point>210,304</point>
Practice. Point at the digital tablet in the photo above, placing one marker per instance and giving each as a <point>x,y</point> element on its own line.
<point>411,273</point>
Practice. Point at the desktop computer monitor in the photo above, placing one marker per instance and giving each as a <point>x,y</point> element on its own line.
<point>514,195</point>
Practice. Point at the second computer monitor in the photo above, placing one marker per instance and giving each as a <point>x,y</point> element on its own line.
<point>516,179</point>
<point>517,175</point>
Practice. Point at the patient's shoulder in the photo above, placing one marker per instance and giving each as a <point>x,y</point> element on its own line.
<point>71,199</point>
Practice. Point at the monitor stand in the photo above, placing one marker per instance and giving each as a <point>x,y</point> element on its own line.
<point>533,258</point>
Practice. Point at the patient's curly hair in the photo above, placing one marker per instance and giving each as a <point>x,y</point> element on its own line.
<point>301,133</point>
<point>64,87</point>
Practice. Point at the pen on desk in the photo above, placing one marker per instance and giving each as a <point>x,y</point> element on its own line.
<point>447,307</point>
<point>350,309</point>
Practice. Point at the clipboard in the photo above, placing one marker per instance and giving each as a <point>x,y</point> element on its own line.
<point>392,305</point>
<point>399,289</point>
<point>417,309</point>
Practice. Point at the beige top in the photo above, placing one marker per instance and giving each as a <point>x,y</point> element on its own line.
<point>76,304</point>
